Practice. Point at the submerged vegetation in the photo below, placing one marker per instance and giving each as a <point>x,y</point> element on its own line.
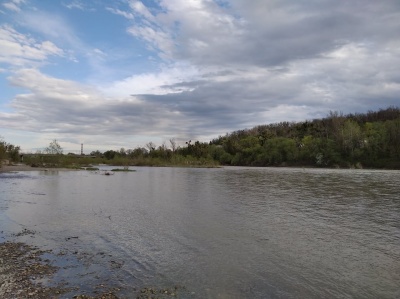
<point>123,170</point>
<point>369,140</point>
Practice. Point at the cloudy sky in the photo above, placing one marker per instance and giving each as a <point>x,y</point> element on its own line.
<point>122,73</point>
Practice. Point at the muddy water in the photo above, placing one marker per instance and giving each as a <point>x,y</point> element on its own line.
<point>220,233</point>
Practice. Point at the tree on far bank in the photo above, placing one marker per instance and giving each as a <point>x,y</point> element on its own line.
<point>2,149</point>
<point>8,151</point>
<point>54,148</point>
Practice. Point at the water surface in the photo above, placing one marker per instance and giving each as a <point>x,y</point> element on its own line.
<point>221,233</point>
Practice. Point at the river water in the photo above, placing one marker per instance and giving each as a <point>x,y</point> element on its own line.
<point>221,233</point>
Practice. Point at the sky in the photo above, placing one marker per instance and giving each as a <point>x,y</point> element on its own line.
<point>117,74</point>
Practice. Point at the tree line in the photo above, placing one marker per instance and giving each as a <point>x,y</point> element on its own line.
<point>359,140</point>
<point>371,140</point>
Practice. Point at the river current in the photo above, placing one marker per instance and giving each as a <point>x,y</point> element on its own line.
<point>221,233</point>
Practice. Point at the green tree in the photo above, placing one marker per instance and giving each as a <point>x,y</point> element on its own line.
<point>308,149</point>
<point>54,148</point>
<point>96,153</point>
<point>9,151</point>
<point>110,154</point>
<point>352,138</point>
<point>138,152</point>
<point>375,142</point>
<point>13,152</point>
<point>2,150</point>
<point>393,137</point>
<point>280,149</point>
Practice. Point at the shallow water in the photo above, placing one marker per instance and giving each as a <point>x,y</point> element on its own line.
<point>221,233</point>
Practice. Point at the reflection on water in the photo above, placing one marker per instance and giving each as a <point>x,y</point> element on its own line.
<point>222,233</point>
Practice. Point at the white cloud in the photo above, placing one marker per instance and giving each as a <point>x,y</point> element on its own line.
<point>157,83</point>
<point>141,9</point>
<point>328,53</point>
<point>187,29</point>
<point>99,52</point>
<point>50,49</point>
<point>70,108</point>
<point>157,39</point>
<point>290,113</point>
<point>75,5</point>
<point>261,33</point>
<point>22,50</point>
<point>52,26</point>
<point>39,83</point>
<point>125,14</point>
<point>14,5</point>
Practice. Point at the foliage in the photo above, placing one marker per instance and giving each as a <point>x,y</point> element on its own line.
<point>354,140</point>
<point>54,148</point>
<point>2,151</point>
<point>8,151</point>
<point>360,140</point>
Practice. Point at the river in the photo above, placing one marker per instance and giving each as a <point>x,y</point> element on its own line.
<point>221,233</point>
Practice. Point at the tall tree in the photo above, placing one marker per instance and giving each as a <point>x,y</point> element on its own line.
<point>351,137</point>
<point>2,149</point>
<point>54,148</point>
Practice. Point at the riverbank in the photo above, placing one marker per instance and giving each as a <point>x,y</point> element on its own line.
<point>24,273</point>
<point>27,271</point>
<point>24,167</point>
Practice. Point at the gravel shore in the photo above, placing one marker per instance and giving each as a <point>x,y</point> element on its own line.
<point>26,273</point>
<point>23,272</point>
<point>19,262</point>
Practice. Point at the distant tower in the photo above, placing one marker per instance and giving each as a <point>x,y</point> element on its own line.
<point>81,149</point>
